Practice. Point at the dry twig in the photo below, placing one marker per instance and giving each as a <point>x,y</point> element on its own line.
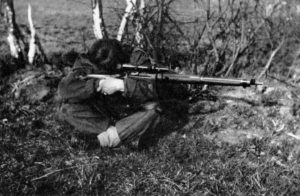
<point>270,59</point>
<point>294,136</point>
<point>238,49</point>
<point>59,170</point>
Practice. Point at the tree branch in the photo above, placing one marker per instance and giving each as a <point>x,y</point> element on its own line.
<point>130,9</point>
<point>270,59</point>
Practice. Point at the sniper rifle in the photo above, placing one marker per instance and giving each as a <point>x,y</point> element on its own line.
<point>166,75</point>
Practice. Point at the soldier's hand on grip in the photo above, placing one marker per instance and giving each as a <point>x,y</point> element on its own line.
<point>110,85</point>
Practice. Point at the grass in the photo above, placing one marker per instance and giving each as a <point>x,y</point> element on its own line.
<point>232,146</point>
<point>44,156</point>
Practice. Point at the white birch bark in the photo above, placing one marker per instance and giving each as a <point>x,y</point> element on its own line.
<point>99,26</point>
<point>32,46</point>
<point>130,9</point>
<point>13,46</point>
<point>12,39</point>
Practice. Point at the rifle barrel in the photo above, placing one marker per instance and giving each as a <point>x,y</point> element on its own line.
<point>192,79</point>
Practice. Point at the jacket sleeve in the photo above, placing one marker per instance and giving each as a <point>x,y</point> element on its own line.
<point>140,90</point>
<point>74,88</point>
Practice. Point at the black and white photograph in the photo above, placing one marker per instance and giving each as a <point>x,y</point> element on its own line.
<point>150,97</point>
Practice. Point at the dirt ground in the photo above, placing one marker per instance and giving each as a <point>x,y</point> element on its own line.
<point>239,141</point>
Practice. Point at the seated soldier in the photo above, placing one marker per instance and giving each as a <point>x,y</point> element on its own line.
<point>117,110</point>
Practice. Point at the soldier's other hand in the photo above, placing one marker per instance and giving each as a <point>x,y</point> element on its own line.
<point>110,85</point>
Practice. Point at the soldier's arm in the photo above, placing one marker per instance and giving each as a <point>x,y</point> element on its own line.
<point>76,88</point>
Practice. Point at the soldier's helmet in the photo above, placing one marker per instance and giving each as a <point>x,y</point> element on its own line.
<point>107,54</point>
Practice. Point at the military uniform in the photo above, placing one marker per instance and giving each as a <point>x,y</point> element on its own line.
<point>90,111</point>
<point>132,112</point>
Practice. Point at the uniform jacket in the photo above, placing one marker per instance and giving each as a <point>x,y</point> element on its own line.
<point>74,90</point>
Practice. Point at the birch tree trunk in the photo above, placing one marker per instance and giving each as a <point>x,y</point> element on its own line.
<point>12,29</point>
<point>32,46</point>
<point>130,9</point>
<point>34,43</point>
<point>99,25</point>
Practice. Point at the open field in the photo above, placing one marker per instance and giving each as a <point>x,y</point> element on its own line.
<point>237,142</point>
<point>61,24</point>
